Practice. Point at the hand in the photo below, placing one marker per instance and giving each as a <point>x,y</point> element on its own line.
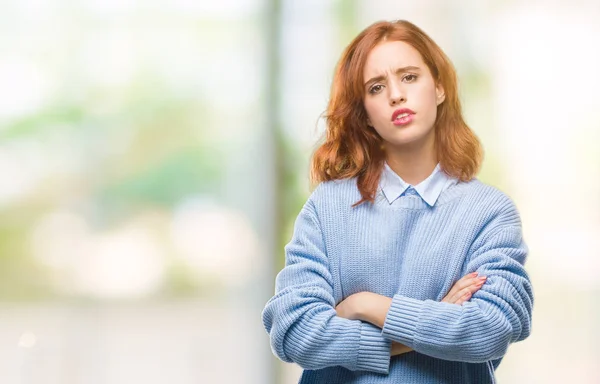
<point>349,307</point>
<point>464,288</point>
<point>399,349</point>
<point>354,306</point>
<point>460,292</point>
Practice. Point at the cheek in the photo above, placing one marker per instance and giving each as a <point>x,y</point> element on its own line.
<point>369,109</point>
<point>373,109</point>
<point>428,97</point>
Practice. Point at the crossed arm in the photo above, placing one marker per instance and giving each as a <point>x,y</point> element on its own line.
<point>307,327</point>
<point>373,308</point>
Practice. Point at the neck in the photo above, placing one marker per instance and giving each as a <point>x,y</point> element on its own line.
<point>413,165</point>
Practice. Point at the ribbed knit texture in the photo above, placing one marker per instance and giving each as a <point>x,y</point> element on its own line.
<point>412,253</point>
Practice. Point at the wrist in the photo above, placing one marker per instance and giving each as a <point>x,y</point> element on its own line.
<point>373,308</point>
<point>362,305</point>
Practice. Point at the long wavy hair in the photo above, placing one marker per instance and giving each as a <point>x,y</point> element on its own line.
<point>350,148</point>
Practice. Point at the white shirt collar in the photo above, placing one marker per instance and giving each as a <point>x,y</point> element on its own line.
<point>429,189</point>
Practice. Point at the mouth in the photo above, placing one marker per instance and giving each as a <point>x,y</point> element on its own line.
<point>402,116</point>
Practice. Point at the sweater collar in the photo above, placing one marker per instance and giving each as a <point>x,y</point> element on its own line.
<point>429,189</point>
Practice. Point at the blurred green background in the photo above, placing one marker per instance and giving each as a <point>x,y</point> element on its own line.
<point>155,155</point>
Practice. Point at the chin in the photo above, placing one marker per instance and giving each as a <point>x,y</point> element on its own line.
<point>407,137</point>
<point>405,140</point>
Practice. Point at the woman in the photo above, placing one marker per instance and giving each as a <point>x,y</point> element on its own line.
<point>370,290</point>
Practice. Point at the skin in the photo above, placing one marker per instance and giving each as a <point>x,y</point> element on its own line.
<point>395,76</point>
<point>373,308</point>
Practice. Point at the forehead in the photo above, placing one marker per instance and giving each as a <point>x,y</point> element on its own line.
<point>389,55</point>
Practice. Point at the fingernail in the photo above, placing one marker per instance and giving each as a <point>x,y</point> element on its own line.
<point>474,274</point>
<point>482,278</point>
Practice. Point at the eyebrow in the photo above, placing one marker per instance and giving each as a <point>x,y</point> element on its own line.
<point>397,71</point>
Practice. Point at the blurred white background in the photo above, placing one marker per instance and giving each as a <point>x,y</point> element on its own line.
<point>155,154</point>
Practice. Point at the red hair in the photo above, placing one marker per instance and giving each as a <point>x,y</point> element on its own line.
<point>353,149</point>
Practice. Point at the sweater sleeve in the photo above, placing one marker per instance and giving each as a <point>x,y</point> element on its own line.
<point>482,328</point>
<point>301,318</point>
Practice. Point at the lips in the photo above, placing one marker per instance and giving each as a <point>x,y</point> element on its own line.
<point>401,113</point>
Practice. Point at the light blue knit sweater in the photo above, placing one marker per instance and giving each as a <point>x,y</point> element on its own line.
<point>413,253</point>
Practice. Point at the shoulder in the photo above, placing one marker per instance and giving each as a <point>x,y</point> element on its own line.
<point>490,195</point>
<point>335,193</point>
<point>495,208</point>
<point>498,223</point>
<point>326,202</point>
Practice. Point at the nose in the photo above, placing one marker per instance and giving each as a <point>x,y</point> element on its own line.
<point>396,95</point>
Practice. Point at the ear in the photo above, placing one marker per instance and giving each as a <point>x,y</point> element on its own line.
<point>440,94</point>
<point>369,122</point>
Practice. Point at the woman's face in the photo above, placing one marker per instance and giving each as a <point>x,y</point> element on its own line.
<point>401,96</point>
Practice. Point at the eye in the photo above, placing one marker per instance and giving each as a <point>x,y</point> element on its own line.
<point>375,89</point>
<point>410,78</point>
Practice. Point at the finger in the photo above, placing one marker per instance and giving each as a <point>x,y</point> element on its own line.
<point>461,284</point>
<point>468,291</point>
<point>461,299</point>
<point>464,293</point>
<point>473,285</point>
